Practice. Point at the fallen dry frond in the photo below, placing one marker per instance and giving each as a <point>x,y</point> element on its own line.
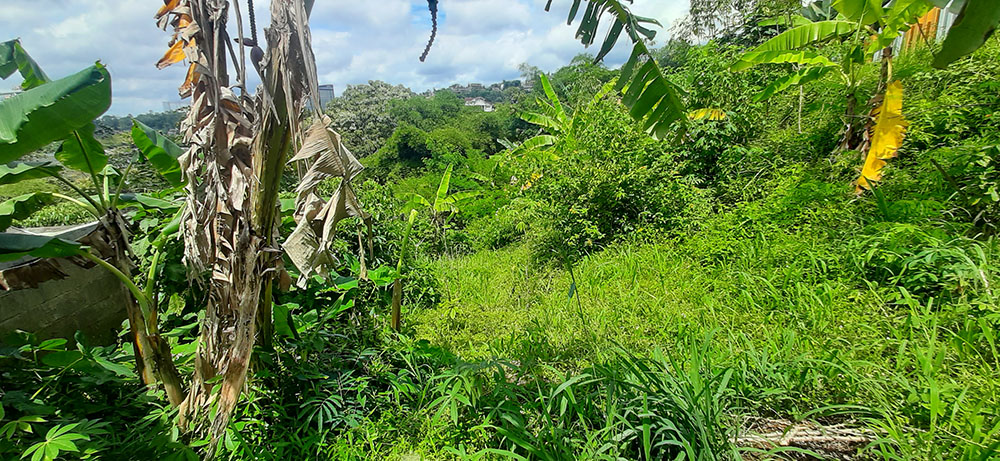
<point>838,441</point>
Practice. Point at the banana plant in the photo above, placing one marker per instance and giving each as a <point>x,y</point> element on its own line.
<point>865,26</point>
<point>444,207</point>
<point>64,110</point>
<point>557,126</point>
<point>557,136</point>
<point>646,92</point>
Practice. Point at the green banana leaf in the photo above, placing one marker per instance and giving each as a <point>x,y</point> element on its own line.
<point>23,171</point>
<point>801,77</point>
<point>808,34</point>
<point>145,201</point>
<point>161,152</point>
<point>442,192</point>
<point>81,151</point>
<point>860,11</point>
<point>649,96</point>
<point>17,246</point>
<point>974,25</point>
<point>541,140</point>
<point>14,58</point>
<point>807,58</point>
<point>49,112</point>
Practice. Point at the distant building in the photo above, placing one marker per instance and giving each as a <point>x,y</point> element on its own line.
<point>479,102</point>
<point>475,86</point>
<point>325,95</point>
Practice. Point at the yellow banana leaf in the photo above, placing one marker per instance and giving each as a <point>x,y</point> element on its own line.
<point>890,129</point>
<point>710,114</point>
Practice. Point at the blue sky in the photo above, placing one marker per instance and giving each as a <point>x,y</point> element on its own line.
<point>354,41</point>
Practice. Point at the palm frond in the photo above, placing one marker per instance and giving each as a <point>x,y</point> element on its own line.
<point>649,96</point>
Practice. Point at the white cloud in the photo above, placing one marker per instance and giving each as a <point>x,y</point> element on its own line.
<point>478,41</point>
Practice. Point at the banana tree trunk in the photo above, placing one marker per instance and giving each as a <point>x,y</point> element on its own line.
<point>239,148</point>
<point>219,238</point>
<point>154,361</point>
<point>397,301</point>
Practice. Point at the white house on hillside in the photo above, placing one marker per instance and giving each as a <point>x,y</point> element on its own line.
<point>479,102</point>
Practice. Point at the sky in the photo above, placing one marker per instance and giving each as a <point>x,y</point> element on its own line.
<point>481,41</point>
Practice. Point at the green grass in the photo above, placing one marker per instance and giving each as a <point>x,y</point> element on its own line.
<point>798,315</point>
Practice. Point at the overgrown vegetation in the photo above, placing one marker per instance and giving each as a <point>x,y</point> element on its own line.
<point>571,287</point>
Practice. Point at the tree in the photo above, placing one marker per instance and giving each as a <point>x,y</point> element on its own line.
<point>730,20</point>
<point>239,146</point>
<point>364,114</point>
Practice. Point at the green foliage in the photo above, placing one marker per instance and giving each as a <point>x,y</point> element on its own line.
<point>81,151</point>
<point>17,172</point>
<point>68,399</point>
<point>161,152</point>
<point>362,115</point>
<point>976,22</point>
<point>722,279</point>
<point>14,58</point>
<point>43,114</point>
<point>58,214</point>
<point>21,207</point>
<point>649,96</point>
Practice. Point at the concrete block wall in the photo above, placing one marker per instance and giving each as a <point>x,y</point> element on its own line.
<point>90,300</point>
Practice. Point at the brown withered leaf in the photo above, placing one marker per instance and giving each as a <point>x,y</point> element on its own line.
<point>173,55</point>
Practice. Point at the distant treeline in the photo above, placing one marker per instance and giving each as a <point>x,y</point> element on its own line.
<point>160,121</point>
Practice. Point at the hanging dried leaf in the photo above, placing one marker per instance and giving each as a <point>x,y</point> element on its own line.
<point>886,137</point>
<point>317,219</point>
<point>173,55</point>
<point>168,6</point>
<point>189,81</point>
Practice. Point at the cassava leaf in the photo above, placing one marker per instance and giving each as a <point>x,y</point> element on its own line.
<point>23,171</point>
<point>81,151</point>
<point>161,152</point>
<point>47,113</point>
<point>887,136</point>
<point>17,246</point>
<point>22,207</point>
<point>974,25</point>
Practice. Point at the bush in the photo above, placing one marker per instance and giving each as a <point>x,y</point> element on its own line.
<point>620,183</point>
